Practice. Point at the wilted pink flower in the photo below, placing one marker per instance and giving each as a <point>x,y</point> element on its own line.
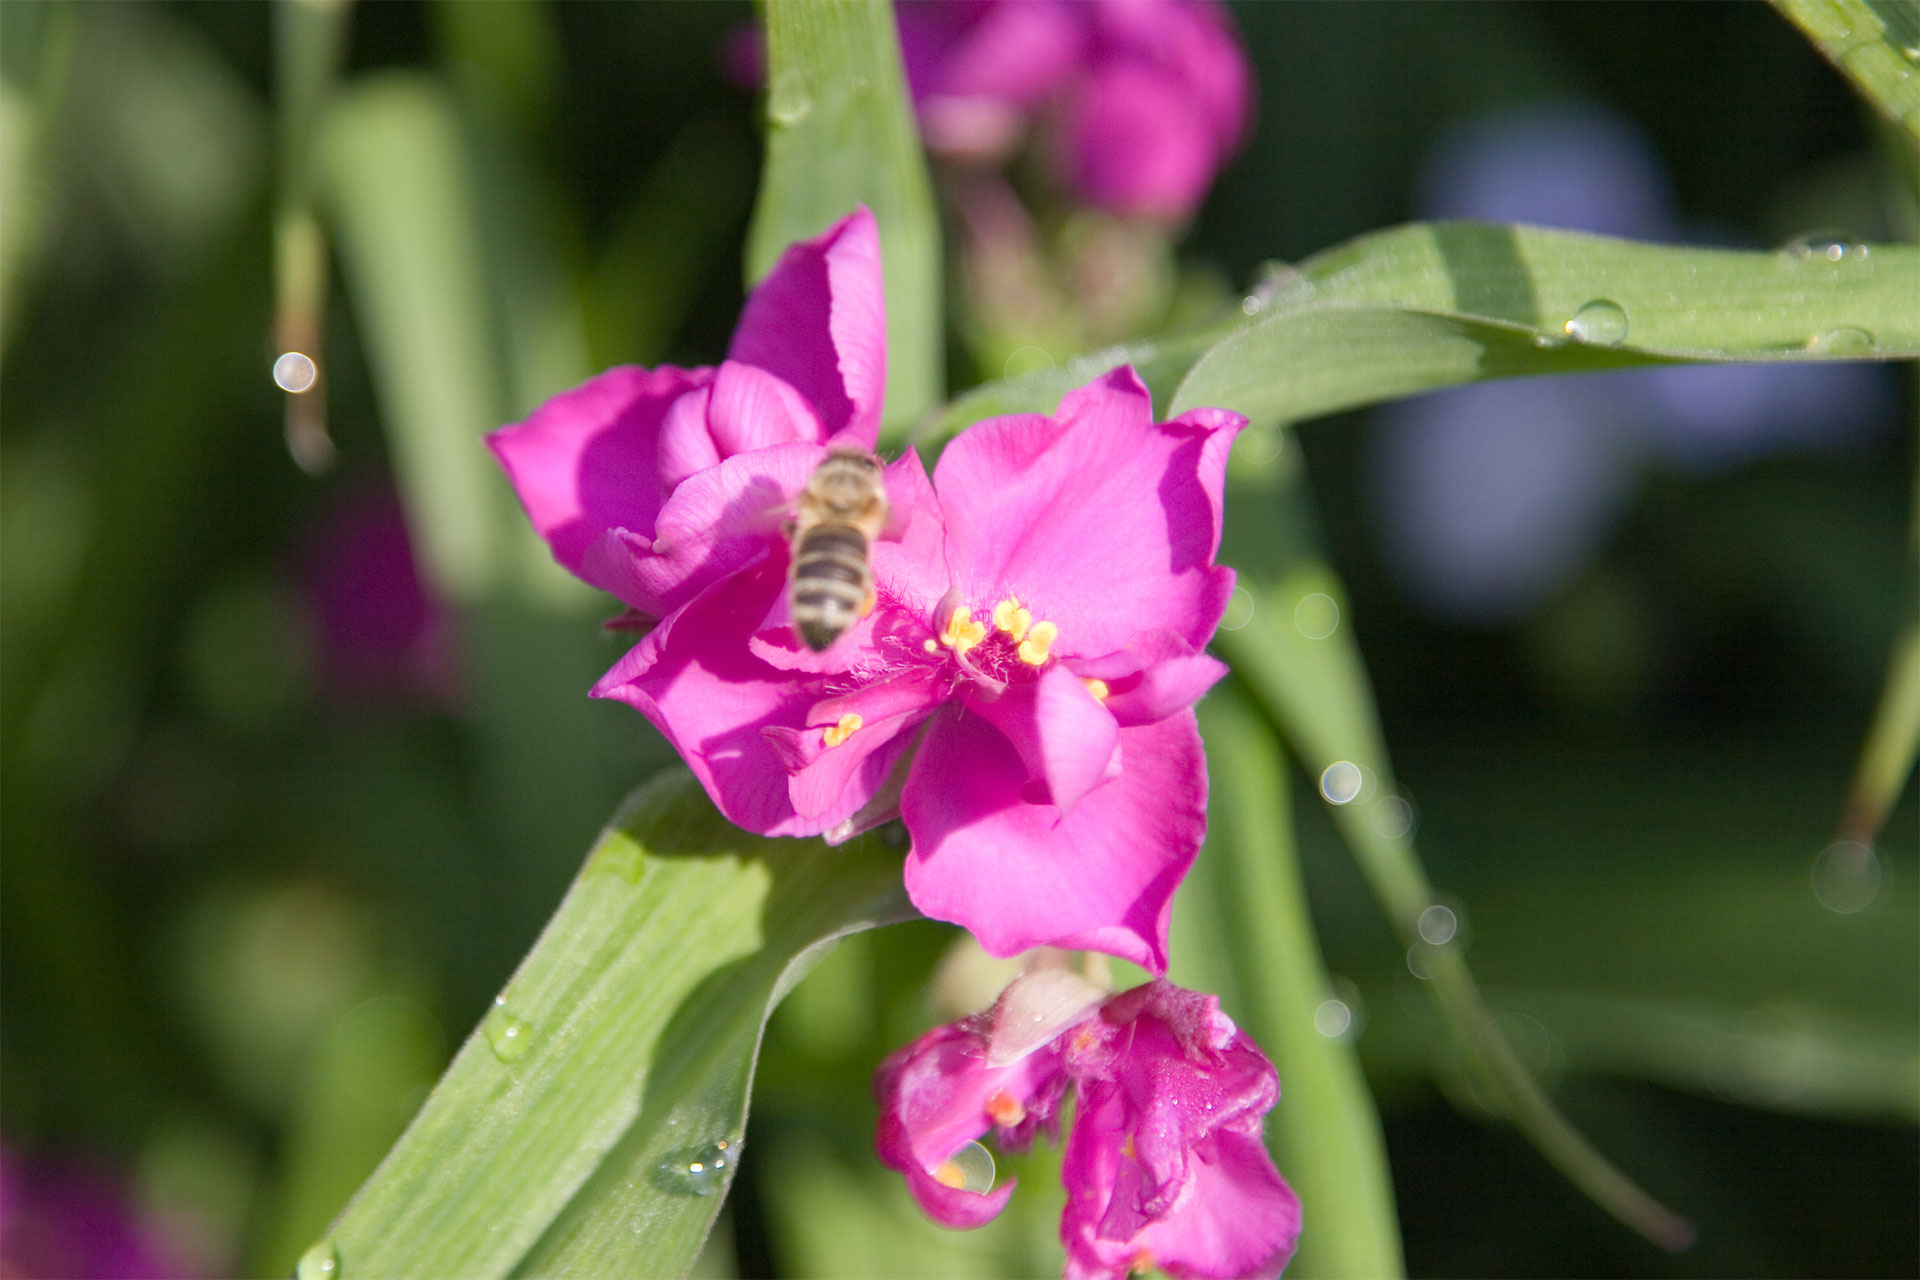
<point>1140,102</point>
<point>1021,693</point>
<point>1165,1167</point>
<point>634,479</point>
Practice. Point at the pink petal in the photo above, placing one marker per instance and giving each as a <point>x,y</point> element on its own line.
<point>1020,875</point>
<point>585,461</point>
<point>1063,734</point>
<point>1016,54</point>
<point>819,323</point>
<point>693,677</point>
<point>822,774</point>
<point>722,519</point>
<point>1236,1217</point>
<point>1157,674</point>
<point>742,409</point>
<point>1139,143</point>
<point>1102,521</point>
<point>910,559</point>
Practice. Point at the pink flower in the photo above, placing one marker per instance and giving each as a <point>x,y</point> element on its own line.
<point>1140,101</point>
<point>1165,1167</point>
<point>633,478</point>
<point>1021,693</point>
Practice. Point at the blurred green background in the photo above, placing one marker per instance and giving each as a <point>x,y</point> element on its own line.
<point>284,800</point>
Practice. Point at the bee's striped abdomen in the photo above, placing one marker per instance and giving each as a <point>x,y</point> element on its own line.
<point>830,582</point>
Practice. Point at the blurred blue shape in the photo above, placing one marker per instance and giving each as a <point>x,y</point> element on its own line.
<point>1493,495</point>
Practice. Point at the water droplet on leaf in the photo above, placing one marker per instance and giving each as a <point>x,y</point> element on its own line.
<point>1438,924</point>
<point>1602,322</point>
<point>295,372</point>
<point>1825,246</point>
<point>1341,781</point>
<point>1846,877</point>
<point>703,1172</point>
<point>507,1034</point>
<point>1844,341</point>
<point>321,1262</point>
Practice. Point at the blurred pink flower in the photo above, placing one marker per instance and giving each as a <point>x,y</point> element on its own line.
<point>636,477</point>
<point>1138,102</point>
<point>381,635</point>
<point>1165,1168</point>
<point>1021,694</point>
<point>66,1220</point>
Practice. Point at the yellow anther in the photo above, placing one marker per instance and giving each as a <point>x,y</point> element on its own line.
<point>962,632</point>
<point>948,1174</point>
<point>1033,650</point>
<point>1004,1109</point>
<point>931,646</point>
<point>849,725</point>
<point>1009,617</point>
<point>1096,687</point>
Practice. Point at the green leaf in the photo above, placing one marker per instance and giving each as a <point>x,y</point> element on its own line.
<point>1428,306</point>
<point>1876,43</point>
<point>1243,907</point>
<point>841,133</point>
<point>562,1138</point>
<point>1297,652</point>
<point>1436,304</point>
<point>396,182</point>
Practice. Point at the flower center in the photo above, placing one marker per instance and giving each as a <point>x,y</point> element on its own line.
<point>1015,643</point>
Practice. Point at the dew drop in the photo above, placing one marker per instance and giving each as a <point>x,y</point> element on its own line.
<point>507,1035</point>
<point>790,101</point>
<point>1392,817</point>
<point>1317,616</point>
<point>1437,925</point>
<point>321,1262</point>
<point>294,372</point>
<point>1846,877</point>
<point>1253,304</point>
<point>1239,611</point>
<point>1844,341</point>
<point>1602,322</point>
<point>621,855</point>
<point>703,1172</point>
<point>1341,781</point>
<point>1333,1019</point>
<point>968,1169</point>
<point>1825,246</point>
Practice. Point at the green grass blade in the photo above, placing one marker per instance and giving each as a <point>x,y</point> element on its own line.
<point>623,1047</point>
<point>1315,684</point>
<point>1436,304</point>
<point>841,133</point>
<point>1893,741</point>
<point>393,170</point>
<point>1246,903</point>
<point>1875,43</point>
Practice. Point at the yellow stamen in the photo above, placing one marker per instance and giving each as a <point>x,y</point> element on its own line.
<point>1141,1265</point>
<point>931,646</point>
<point>1004,1109</point>
<point>1096,687</point>
<point>962,632</point>
<point>1009,617</point>
<point>1126,1148</point>
<point>1033,650</point>
<point>849,725</point>
<point>948,1174</point>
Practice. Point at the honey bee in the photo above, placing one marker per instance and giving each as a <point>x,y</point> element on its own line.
<point>842,510</point>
